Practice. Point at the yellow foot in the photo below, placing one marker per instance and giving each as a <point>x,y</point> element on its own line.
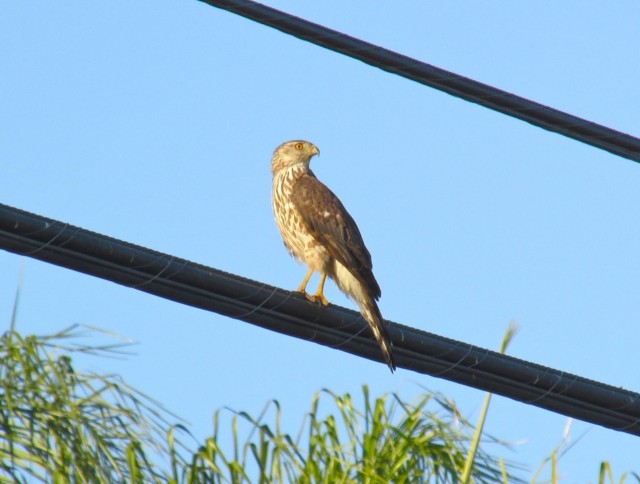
<point>307,296</point>
<point>315,298</point>
<point>319,298</point>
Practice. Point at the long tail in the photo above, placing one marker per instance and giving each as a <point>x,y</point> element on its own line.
<point>358,292</point>
<point>370,312</point>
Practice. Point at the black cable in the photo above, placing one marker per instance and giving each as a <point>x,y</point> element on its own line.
<point>291,314</point>
<point>537,114</point>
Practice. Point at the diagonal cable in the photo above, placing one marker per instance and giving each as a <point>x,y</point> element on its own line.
<point>339,328</point>
<point>551,119</point>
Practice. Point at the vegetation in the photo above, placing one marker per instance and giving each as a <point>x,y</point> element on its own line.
<point>389,441</point>
<point>58,424</point>
<point>61,425</point>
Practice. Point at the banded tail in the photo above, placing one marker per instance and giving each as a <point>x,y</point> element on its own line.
<point>371,313</point>
<point>358,292</point>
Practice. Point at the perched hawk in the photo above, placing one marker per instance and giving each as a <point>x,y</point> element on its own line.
<point>318,231</point>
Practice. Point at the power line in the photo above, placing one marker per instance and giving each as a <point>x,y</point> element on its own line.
<point>551,119</point>
<point>288,313</point>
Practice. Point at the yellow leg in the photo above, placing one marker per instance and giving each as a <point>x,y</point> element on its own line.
<point>319,295</point>
<point>303,285</point>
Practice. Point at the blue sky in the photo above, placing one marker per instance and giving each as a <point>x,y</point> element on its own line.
<point>154,122</point>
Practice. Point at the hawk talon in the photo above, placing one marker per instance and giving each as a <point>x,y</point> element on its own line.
<point>304,293</point>
<point>314,298</point>
<point>319,298</point>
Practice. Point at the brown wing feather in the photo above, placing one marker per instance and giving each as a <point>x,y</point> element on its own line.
<point>330,224</point>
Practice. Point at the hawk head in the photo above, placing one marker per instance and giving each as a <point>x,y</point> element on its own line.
<point>293,153</point>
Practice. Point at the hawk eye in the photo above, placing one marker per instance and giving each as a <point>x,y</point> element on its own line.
<point>298,146</point>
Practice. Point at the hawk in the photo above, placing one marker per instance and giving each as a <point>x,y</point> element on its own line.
<point>318,231</point>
